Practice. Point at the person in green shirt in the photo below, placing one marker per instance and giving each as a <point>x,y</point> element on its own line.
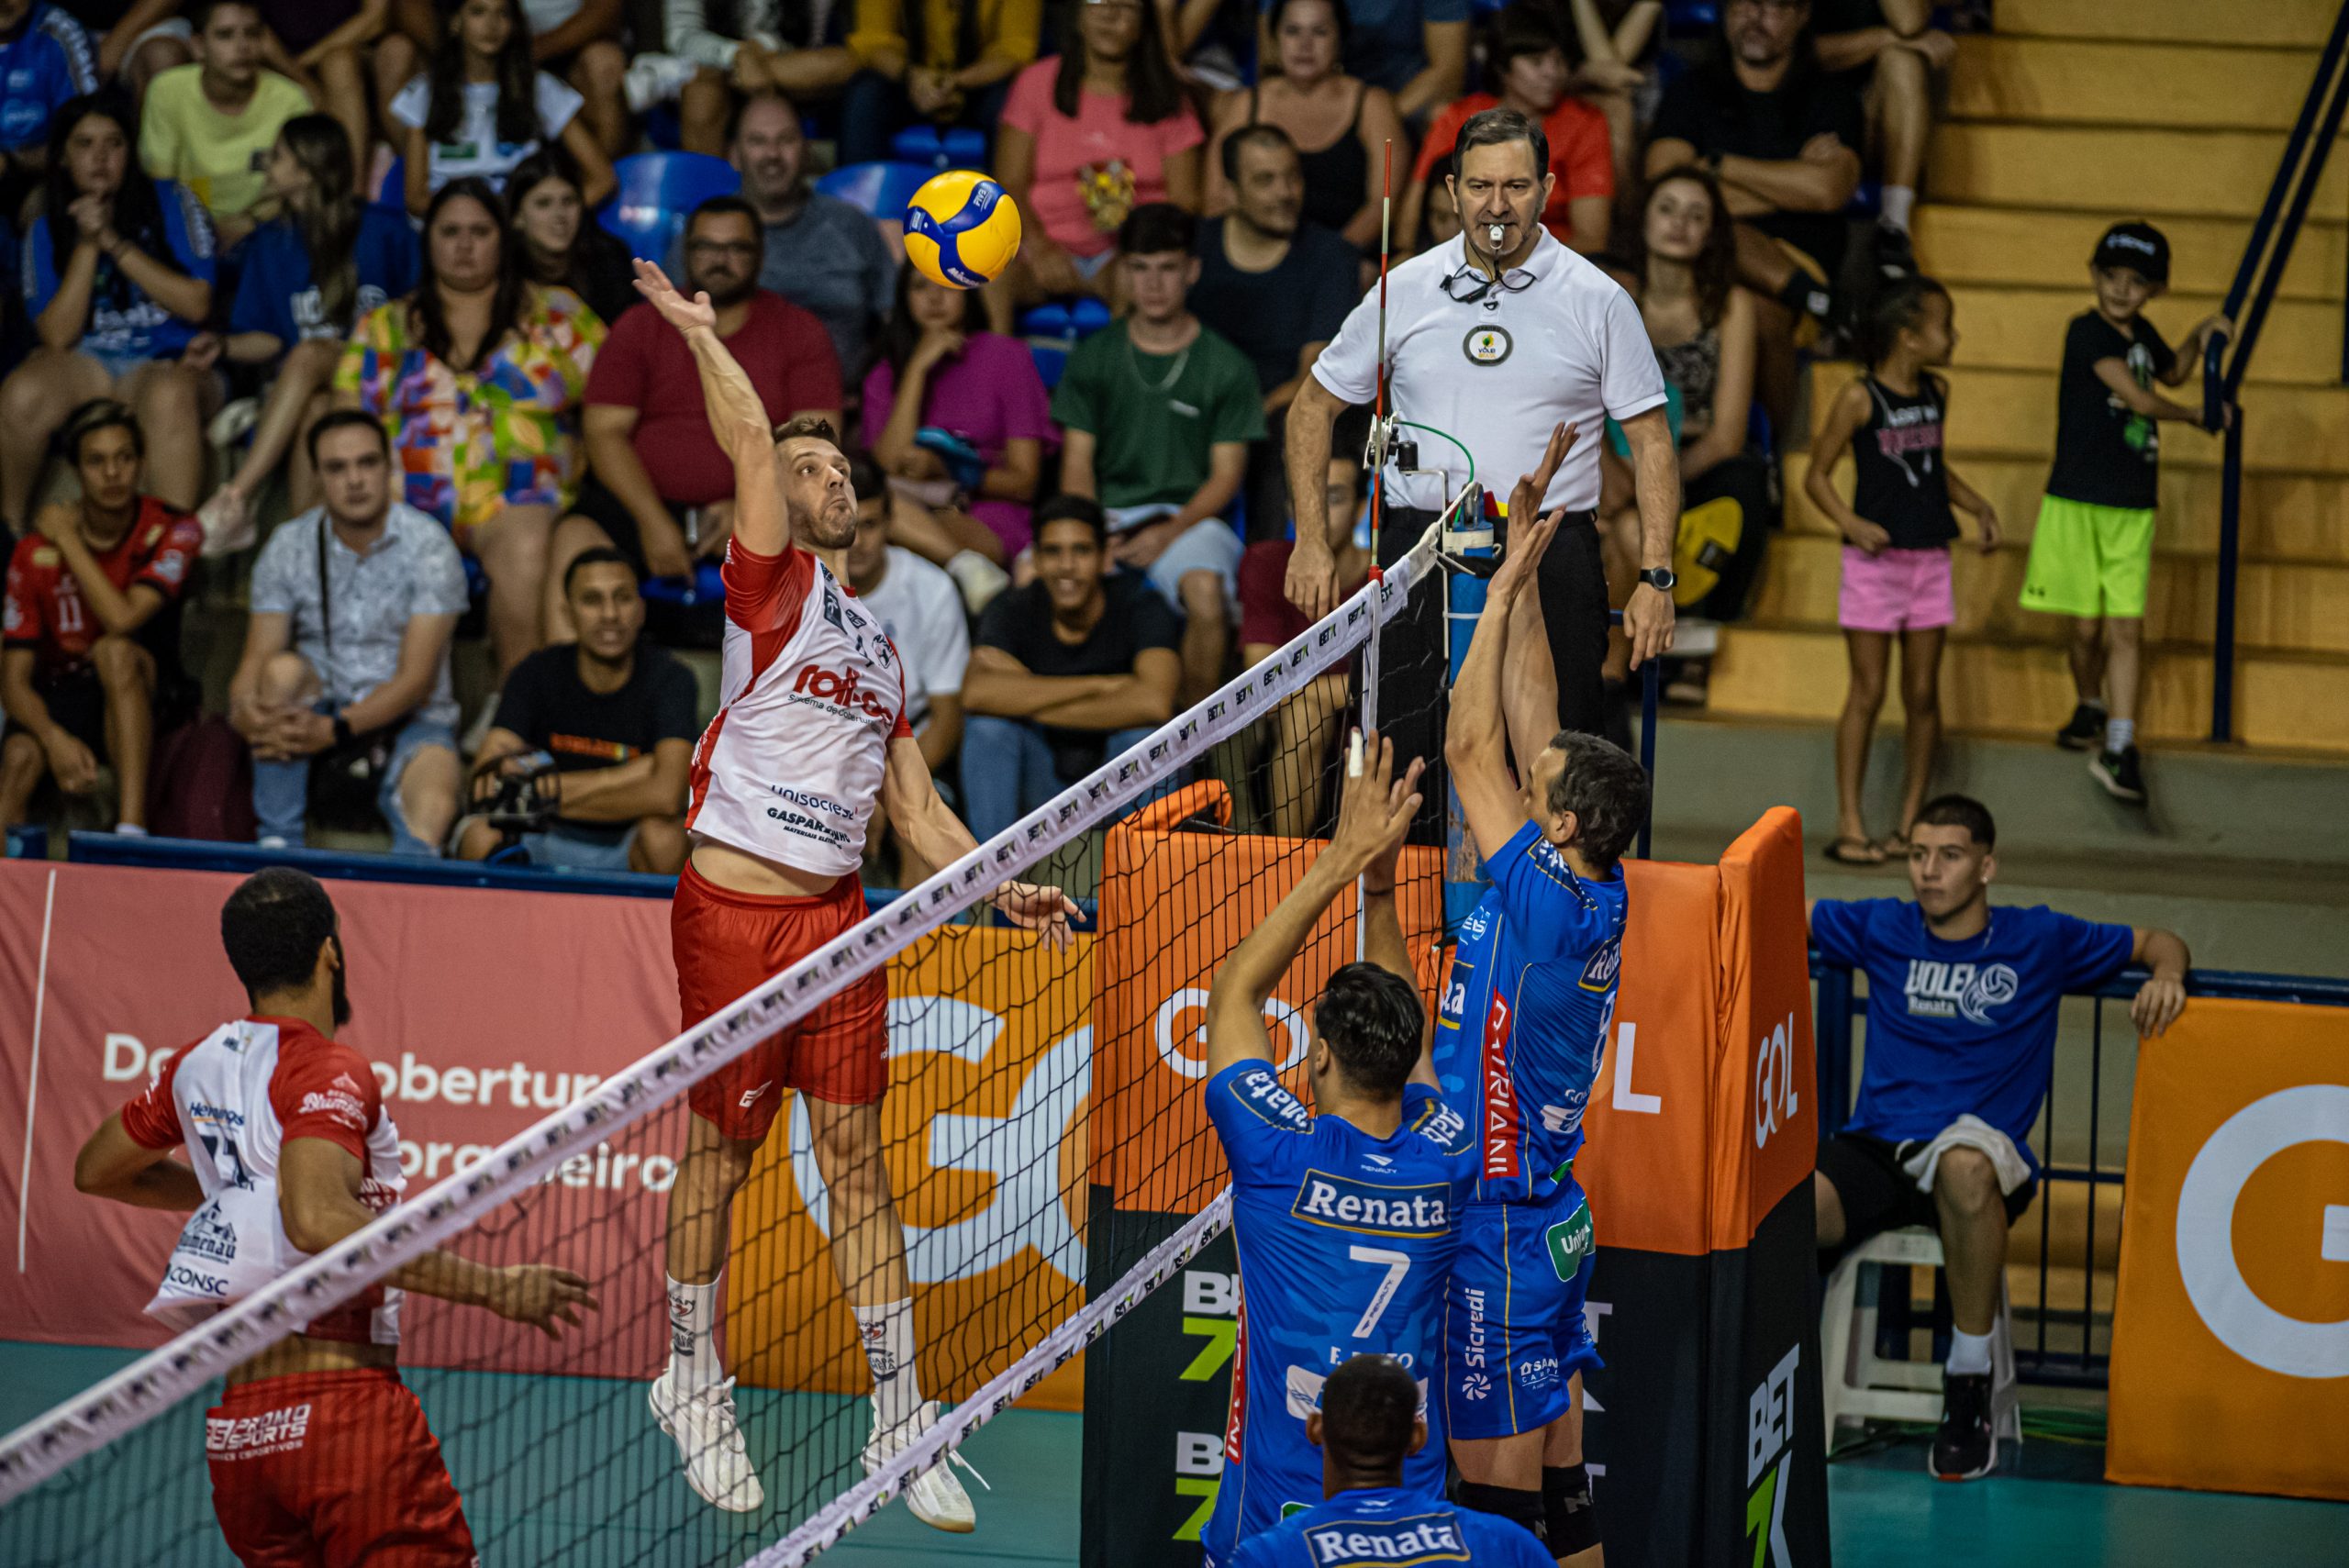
<point>210,125</point>
<point>1159,413</point>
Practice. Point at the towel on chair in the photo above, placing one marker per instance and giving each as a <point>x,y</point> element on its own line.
<point>1968,1131</point>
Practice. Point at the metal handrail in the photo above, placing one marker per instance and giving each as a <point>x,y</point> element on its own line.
<point>2256,279</point>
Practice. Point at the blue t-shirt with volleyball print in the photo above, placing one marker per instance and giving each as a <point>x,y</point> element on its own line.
<point>277,294</point>
<point>1961,1027</point>
<point>1380,1527</point>
<point>1345,1241</point>
<point>1526,1011</point>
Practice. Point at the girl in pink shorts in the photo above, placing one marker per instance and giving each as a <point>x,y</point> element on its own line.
<point>1897,531</point>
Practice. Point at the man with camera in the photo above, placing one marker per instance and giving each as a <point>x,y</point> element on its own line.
<point>585,763</point>
<point>343,688</point>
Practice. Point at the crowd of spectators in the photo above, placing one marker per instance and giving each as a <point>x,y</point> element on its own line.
<point>367,229</point>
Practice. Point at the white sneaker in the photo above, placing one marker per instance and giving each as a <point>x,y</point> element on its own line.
<point>711,1444</point>
<point>655,79</point>
<point>936,1498</point>
<point>980,579</point>
<point>228,523</point>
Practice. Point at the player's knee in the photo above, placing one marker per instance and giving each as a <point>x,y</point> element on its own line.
<point>1202,596</point>
<point>1519,1504</point>
<point>478,842</point>
<point>1568,1512</point>
<point>2125,631</point>
<point>286,677</point>
<point>1901,77</point>
<point>600,67</point>
<point>1828,1204</point>
<point>120,663</point>
<point>22,758</point>
<point>1966,1181</point>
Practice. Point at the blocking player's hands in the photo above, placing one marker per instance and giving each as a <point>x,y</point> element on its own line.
<point>1034,908</point>
<point>665,297</point>
<point>1529,532</point>
<point>541,1296</point>
<point>1374,811</point>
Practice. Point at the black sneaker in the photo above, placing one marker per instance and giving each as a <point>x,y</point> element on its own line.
<point>1967,1445</point>
<point>2086,732</point>
<point>2119,773</point>
<point>1896,254</point>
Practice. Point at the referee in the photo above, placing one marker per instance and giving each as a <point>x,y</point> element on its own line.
<point>1495,338</point>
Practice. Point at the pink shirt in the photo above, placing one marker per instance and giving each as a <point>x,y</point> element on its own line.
<point>1095,169</point>
<point>988,394</point>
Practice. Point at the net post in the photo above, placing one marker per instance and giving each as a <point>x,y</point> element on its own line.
<point>1465,595</point>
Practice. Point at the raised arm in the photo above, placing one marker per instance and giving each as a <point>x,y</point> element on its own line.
<point>737,418</point>
<point>1384,944</point>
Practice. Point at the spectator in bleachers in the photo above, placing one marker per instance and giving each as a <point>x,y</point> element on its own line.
<point>1347,122</point>
<point>609,723</point>
<point>921,610</point>
<point>1963,1006</point>
<point>342,47</point>
<point>1087,141</point>
<point>1617,41</point>
<point>136,40</point>
<point>92,667</point>
<point>940,370</point>
<point>1308,724</point>
<point>579,40</point>
<point>1416,50</point>
<point>558,241</point>
<point>1159,414</point>
<point>749,49</point>
<point>45,62</point>
<point>1069,669</point>
<point>1889,50</point>
<point>478,376</point>
<point>658,487</point>
<point>117,280</point>
<point>1277,287</point>
<point>346,657</point>
<point>922,62</point>
<point>821,253</point>
<point>209,125</point>
<point>483,106</point>
<point>1529,65</point>
<point>1783,140</point>
<point>310,274</point>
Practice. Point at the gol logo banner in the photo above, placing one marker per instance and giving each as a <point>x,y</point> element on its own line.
<point>2231,1330</point>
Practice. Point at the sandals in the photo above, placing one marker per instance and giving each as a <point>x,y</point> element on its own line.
<point>1852,850</point>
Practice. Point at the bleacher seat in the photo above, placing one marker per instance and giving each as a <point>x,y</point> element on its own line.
<point>1054,327</point>
<point>879,190</point>
<point>656,191</point>
<point>957,146</point>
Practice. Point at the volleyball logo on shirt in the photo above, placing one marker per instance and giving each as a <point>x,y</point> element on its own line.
<point>1487,345</point>
<point>1940,990</point>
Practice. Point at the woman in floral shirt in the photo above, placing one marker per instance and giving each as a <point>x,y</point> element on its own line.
<point>478,376</point>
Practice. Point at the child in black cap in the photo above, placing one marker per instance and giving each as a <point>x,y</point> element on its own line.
<point>2093,548</point>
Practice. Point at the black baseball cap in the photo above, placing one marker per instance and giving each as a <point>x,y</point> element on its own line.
<point>2140,246</point>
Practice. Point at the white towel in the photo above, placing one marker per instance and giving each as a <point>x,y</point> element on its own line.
<point>1969,1131</point>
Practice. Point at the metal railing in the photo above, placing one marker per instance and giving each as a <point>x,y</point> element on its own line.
<point>2256,279</point>
<point>2055,1344</point>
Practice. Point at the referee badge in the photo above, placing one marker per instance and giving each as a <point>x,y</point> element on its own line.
<point>1487,345</point>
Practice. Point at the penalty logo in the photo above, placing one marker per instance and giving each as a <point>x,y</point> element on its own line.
<point>1487,345</point>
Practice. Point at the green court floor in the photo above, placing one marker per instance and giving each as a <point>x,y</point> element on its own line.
<point>573,1470</point>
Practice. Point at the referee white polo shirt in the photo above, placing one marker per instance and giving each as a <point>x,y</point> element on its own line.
<point>1557,340</point>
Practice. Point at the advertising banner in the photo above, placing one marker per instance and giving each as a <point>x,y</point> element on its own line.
<point>2230,1328</point>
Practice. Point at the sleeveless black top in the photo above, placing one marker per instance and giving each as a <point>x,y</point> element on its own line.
<point>1902,483</point>
<point>1336,176</point>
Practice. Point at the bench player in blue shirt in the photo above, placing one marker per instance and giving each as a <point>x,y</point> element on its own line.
<point>1519,1036</point>
<point>1368,1429</point>
<point>1962,1015</point>
<point>1344,1214</point>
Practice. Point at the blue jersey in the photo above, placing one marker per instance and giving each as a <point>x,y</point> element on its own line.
<point>125,325</point>
<point>1526,1011</point>
<point>47,60</point>
<point>278,296</point>
<point>1965,1027</point>
<point>1379,1527</point>
<point>1345,1241</point>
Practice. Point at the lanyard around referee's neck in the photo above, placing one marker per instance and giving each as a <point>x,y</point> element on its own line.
<point>1470,285</point>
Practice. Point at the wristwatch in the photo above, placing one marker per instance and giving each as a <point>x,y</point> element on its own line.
<point>1660,578</point>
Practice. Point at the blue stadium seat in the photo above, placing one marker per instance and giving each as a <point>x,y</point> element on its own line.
<point>392,194</point>
<point>957,146</point>
<point>1054,327</point>
<point>709,584</point>
<point>1684,17</point>
<point>656,191</point>
<point>878,190</point>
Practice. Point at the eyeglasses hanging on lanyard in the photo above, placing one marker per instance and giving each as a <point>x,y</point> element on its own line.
<point>1468,285</point>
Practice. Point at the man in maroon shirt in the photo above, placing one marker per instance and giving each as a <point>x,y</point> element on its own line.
<point>658,489</point>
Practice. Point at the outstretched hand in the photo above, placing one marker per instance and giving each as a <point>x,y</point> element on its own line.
<point>678,311</point>
<point>1376,810</point>
<point>1045,910</point>
<point>545,1297</point>
<point>1529,532</point>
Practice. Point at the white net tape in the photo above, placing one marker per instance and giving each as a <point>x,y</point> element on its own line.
<point>160,1379</point>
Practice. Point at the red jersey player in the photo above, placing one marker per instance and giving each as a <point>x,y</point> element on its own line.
<point>318,1454</point>
<point>810,735</point>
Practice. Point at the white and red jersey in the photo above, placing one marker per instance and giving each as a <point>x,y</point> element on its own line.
<point>811,694</point>
<point>234,1100</point>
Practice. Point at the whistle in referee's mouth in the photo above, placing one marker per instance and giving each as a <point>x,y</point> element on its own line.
<point>1493,232</point>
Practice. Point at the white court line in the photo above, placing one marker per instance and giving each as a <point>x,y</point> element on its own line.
<point>32,1082</point>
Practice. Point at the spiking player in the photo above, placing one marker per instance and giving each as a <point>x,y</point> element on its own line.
<point>1520,1030</point>
<point>810,736</point>
<point>1344,1215</point>
<point>318,1454</point>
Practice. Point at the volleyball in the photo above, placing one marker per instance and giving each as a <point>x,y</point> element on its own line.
<point>961,230</point>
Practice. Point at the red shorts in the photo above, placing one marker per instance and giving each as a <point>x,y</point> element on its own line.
<point>728,944</point>
<point>332,1467</point>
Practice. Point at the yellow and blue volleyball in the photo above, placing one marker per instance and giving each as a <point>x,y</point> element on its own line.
<point>961,230</point>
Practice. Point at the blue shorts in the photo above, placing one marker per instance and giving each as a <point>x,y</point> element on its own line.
<point>1513,1326</point>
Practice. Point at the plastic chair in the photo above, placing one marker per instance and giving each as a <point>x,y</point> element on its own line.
<point>957,146</point>
<point>656,191</point>
<point>882,191</point>
<point>1858,1383</point>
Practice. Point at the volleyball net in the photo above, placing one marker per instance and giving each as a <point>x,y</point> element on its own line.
<point>998,1124</point>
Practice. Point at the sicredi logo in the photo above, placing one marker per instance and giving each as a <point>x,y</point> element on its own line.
<point>2222,1296</point>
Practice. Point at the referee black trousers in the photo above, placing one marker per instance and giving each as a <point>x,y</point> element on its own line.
<point>1413,658</point>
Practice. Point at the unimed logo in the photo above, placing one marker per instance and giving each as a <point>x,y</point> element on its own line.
<point>844,688</point>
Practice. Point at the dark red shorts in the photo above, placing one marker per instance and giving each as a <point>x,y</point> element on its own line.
<point>728,944</point>
<point>321,1469</point>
